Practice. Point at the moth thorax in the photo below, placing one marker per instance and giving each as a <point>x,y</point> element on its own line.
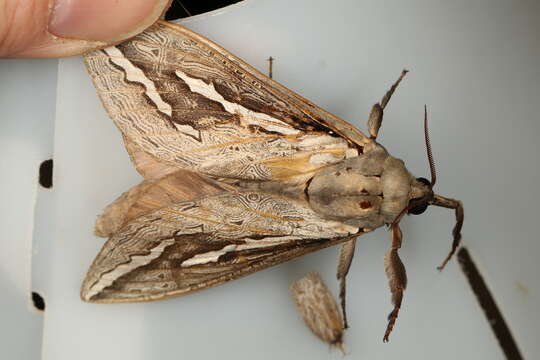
<point>344,193</point>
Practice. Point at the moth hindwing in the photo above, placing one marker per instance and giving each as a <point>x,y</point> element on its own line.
<point>240,173</point>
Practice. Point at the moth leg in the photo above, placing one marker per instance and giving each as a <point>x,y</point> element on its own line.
<point>346,255</point>
<point>375,120</point>
<point>456,232</point>
<point>270,63</point>
<point>376,114</point>
<point>397,278</point>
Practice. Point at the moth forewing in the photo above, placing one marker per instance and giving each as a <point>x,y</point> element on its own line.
<point>189,103</point>
<point>190,245</point>
<point>319,309</point>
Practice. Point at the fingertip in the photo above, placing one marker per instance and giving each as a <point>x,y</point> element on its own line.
<point>103,20</point>
<point>61,28</point>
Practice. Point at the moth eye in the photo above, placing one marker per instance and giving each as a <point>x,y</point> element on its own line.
<point>423,180</point>
<point>418,209</point>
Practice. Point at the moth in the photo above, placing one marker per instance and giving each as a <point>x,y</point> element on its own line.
<point>240,174</point>
<point>319,309</point>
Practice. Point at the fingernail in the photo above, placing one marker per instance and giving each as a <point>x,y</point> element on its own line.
<point>103,20</point>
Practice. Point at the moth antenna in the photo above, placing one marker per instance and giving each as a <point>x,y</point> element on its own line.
<point>428,148</point>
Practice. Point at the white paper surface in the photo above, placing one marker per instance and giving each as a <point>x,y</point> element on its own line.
<point>27,103</point>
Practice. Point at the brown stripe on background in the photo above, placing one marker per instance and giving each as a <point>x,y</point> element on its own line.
<point>487,302</point>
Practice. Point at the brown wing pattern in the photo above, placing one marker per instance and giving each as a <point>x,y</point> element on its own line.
<point>192,245</point>
<point>189,103</point>
<point>190,111</point>
<point>165,277</point>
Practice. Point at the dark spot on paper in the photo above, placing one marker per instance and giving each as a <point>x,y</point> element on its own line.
<point>46,174</point>
<point>38,301</point>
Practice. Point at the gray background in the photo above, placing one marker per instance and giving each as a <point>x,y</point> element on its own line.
<point>475,64</point>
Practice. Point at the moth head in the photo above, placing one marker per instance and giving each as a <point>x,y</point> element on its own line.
<point>422,195</point>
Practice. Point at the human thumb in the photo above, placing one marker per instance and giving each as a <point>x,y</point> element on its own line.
<point>59,28</point>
